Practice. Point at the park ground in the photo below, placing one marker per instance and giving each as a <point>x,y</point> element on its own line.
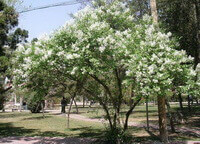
<point>89,127</point>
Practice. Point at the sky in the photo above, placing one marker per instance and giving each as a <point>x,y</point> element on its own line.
<point>45,21</point>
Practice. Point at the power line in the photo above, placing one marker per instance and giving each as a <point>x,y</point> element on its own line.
<point>72,2</point>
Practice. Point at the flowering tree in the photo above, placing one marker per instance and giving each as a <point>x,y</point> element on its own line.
<point>120,59</point>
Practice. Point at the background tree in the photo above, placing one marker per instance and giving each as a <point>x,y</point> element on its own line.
<point>182,17</point>
<point>8,39</point>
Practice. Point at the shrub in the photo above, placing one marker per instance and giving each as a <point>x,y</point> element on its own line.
<point>34,104</point>
<point>117,136</point>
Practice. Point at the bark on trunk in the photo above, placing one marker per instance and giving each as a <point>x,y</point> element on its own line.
<point>162,119</point>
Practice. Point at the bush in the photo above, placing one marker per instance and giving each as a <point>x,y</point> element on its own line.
<point>34,104</point>
<point>117,136</point>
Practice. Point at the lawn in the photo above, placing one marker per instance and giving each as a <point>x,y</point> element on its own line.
<point>191,120</point>
<point>27,124</point>
<point>54,125</point>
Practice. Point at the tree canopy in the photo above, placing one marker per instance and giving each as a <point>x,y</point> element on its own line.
<point>124,57</point>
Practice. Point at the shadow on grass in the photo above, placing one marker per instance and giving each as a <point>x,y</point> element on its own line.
<point>13,115</point>
<point>195,110</point>
<point>7,129</point>
<point>88,132</point>
<point>37,118</point>
<point>142,139</point>
<point>145,139</point>
<point>196,123</point>
<point>97,117</point>
<point>99,135</point>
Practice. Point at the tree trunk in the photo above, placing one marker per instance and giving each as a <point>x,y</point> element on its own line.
<point>68,114</point>
<point>69,110</point>
<point>3,109</point>
<point>180,101</point>
<point>83,101</point>
<point>162,119</point>
<point>21,101</point>
<point>46,104</point>
<point>76,106</point>
<point>147,113</point>
<point>197,101</point>
<point>192,100</point>
<point>129,113</point>
<point>161,99</point>
<point>103,105</point>
<point>170,116</point>
<point>154,12</point>
<point>43,109</point>
<point>189,105</point>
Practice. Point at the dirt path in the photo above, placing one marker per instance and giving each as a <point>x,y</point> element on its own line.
<point>45,140</point>
<point>184,130</point>
<point>196,132</point>
<point>62,140</point>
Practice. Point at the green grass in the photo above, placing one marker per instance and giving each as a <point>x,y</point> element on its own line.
<point>27,124</point>
<point>139,115</point>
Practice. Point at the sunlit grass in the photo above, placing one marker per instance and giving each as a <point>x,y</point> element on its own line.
<point>27,124</point>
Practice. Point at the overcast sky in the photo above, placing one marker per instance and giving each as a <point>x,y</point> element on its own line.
<point>46,20</point>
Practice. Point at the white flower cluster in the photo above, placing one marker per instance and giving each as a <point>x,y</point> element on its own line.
<point>158,64</point>
<point>101,40</point>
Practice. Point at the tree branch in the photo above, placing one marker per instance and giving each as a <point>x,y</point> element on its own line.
<point>129,112</point>
<point>5,90</point>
